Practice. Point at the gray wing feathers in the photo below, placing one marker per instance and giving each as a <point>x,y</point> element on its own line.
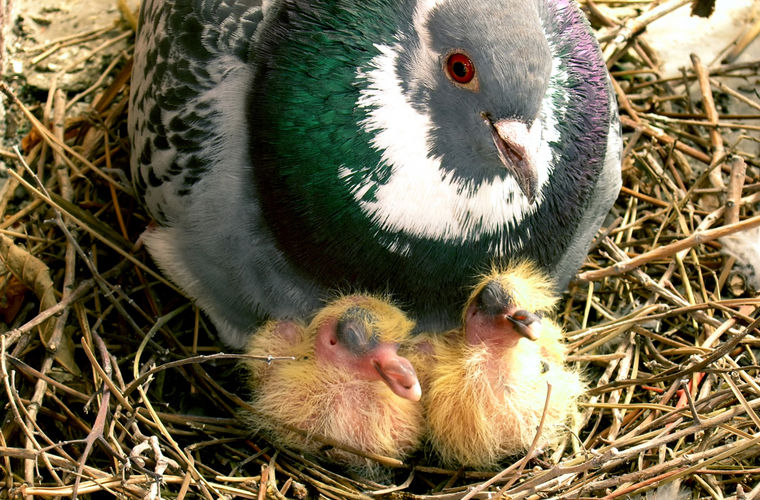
<point>184,51</point>
<point>191,165</point>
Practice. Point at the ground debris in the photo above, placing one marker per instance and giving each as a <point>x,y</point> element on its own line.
<point>660,317</point>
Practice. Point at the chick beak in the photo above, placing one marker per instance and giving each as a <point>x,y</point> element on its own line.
<point>493,317</point>
<point>398,373</point>
<point>525,323</point>
<point>513,144</point>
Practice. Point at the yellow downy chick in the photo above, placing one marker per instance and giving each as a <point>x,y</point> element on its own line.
<point>484,387</point>
<point>347,382</point>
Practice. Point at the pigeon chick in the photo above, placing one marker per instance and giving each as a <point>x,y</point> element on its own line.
<point>389,146</point>
<point>347,383</point>
<point>485,386</point>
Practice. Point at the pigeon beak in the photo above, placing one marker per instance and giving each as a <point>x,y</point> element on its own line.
<point>525,323</point>
<point>399,375</point>
<point>513,140</point>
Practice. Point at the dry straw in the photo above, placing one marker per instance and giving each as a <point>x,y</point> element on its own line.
<point>112,383</point>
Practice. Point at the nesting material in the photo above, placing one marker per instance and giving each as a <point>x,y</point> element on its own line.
<point>485,387</point>
<point>344,397</point>
<point>676,399</point>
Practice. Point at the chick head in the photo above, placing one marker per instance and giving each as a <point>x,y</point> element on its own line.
<point>508,304</point>
<point>347,383</point>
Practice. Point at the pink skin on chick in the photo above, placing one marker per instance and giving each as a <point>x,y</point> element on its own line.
<point>379,362</point>
<point>484,386</point>
<point>348,383</point>
<point>493,318</point>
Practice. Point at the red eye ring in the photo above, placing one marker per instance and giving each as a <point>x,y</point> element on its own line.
<point>460,68</point>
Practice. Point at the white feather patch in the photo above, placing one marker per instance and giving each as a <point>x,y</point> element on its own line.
<point>421,199</point>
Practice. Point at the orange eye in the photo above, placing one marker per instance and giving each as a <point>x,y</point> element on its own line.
<point>460,68</point>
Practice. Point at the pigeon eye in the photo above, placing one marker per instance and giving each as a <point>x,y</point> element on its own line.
<point>460,68</point>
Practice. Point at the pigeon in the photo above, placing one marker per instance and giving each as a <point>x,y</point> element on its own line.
<point>485,384</point>
<point>347,382</point>
<point>296,148</point>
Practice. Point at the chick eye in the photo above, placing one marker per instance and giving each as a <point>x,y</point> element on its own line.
<point>460,68</point>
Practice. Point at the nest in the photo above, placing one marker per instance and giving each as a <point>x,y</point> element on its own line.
<point>113,381</point>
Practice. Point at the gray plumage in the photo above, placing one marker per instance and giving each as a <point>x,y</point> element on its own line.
<point>260,148</point>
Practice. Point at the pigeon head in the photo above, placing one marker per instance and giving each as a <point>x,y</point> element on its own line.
<point>346,382</point>
<point>482,88</point>
<point>362,335</point>
<point>393,111</point>
<point>507,306</point>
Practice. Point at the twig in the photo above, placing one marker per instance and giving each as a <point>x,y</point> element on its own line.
<point>712,115</point>
<point>665,139</point>
<point>97,429</point>
<point>734,191</point>
<point>697,238</point>
<point>749,35</point>
<point>690,400</point>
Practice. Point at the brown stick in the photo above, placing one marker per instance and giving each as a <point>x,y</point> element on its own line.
<point>665,139</point>
<point>734,191</point>
<point>695,239</point>
<point>747,38</point>
<point>716,139</point>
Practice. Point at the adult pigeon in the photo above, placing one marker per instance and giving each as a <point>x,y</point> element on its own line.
<point>299,147</point>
